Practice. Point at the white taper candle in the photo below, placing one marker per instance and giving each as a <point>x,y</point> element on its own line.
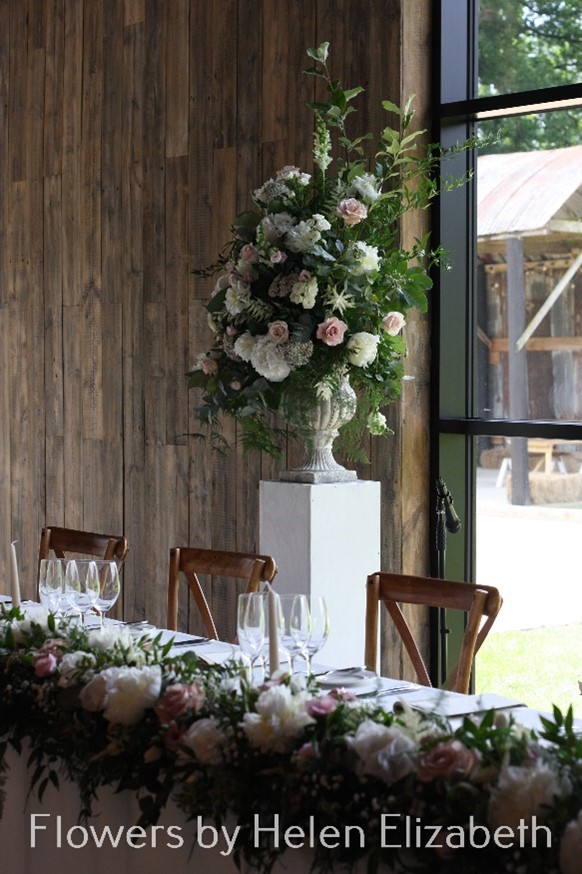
<point>14,584</point>
<point>273,633</point>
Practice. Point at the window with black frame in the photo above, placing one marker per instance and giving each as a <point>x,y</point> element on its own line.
<point>507,411</point>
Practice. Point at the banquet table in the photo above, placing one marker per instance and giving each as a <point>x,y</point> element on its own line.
<point>46,837</point>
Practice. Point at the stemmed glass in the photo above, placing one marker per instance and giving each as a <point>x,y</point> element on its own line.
<point>250,625</point>
<point>295,625</point>
<point>319,628</point>
<point>109,587</point>
<point>51,583</point>
<point>81,586</point>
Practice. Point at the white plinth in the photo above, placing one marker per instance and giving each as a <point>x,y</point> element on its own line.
<point>325,539</point>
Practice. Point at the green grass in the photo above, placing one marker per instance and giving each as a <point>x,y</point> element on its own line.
<point>539,666</point>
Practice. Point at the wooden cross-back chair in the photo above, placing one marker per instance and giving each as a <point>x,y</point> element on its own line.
<point>70,542</point>
<point>479,602</point>
<point>191,561</point>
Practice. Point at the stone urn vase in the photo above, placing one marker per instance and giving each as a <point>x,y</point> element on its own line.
<point>318,426</point>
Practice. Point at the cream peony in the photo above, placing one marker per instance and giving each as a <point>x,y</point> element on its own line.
<point>280,718</point>
<point>571,846</point>
<point>522,792</point>
<point>367,259</point>
<point>124,694</point>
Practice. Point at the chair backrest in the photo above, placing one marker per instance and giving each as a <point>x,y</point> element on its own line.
<point>245,566</point>
<point>67,542</point>
<point>394,589</point>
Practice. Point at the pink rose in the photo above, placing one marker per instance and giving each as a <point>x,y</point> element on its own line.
<point>249,253</point>
<point>331,332</point>
<point>352,211</point>
<point>179,699</point>
<point>304,276</point>
<point>278,257</point>
<point>393,323</point>
<point>207,365</point>
<point>322,706</point>
<point>45,664</point>
<point>278,331</point>
<point>451,759</point>
<point>306,751</point>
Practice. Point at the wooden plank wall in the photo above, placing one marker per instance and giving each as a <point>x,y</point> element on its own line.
<point>131,132</point>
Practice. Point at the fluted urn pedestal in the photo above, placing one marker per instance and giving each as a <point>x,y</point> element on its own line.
<point>318,427</point>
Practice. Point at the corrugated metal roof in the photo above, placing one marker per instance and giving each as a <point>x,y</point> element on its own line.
<point>521,192</point>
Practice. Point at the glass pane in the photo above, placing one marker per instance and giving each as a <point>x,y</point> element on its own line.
<point>529,312</point>
<point>533,555</point>
<point>529,45</point>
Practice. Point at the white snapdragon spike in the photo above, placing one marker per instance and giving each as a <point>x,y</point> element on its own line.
<point>268,360</point>
<point>377,424</point>
<point>280,718</point>
<point>384,752</point>
<point>525,791</point>
<point>363,348</point>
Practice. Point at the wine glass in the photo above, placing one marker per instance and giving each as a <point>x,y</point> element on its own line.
<point>50,584</point>
<point>295,625</point>
<point>319,628</point>
<point>81,586</point>
<point>250,625</point>
<point>109,587</point>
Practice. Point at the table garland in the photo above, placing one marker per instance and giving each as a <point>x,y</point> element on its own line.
<point>412,793</point>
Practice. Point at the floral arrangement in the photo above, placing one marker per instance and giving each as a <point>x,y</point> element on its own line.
<point>104,710</point>
<point>314,285</point>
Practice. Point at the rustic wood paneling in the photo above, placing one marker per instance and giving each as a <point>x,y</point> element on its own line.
<point>131,134</point>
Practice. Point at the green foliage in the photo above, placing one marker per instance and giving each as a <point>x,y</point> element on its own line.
<point>526,46</point>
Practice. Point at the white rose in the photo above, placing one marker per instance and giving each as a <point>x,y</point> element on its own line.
<point>523,792</point>
<point>393,323</point>
<point>268,360</point>
<point>72,664</point>
<point>363,348</point>
<point>320,222</point>
<point>206,740</point>
<point>384,752</point>
<point>368,258</point>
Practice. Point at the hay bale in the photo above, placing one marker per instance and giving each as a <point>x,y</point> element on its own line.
<point>552,488</point>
